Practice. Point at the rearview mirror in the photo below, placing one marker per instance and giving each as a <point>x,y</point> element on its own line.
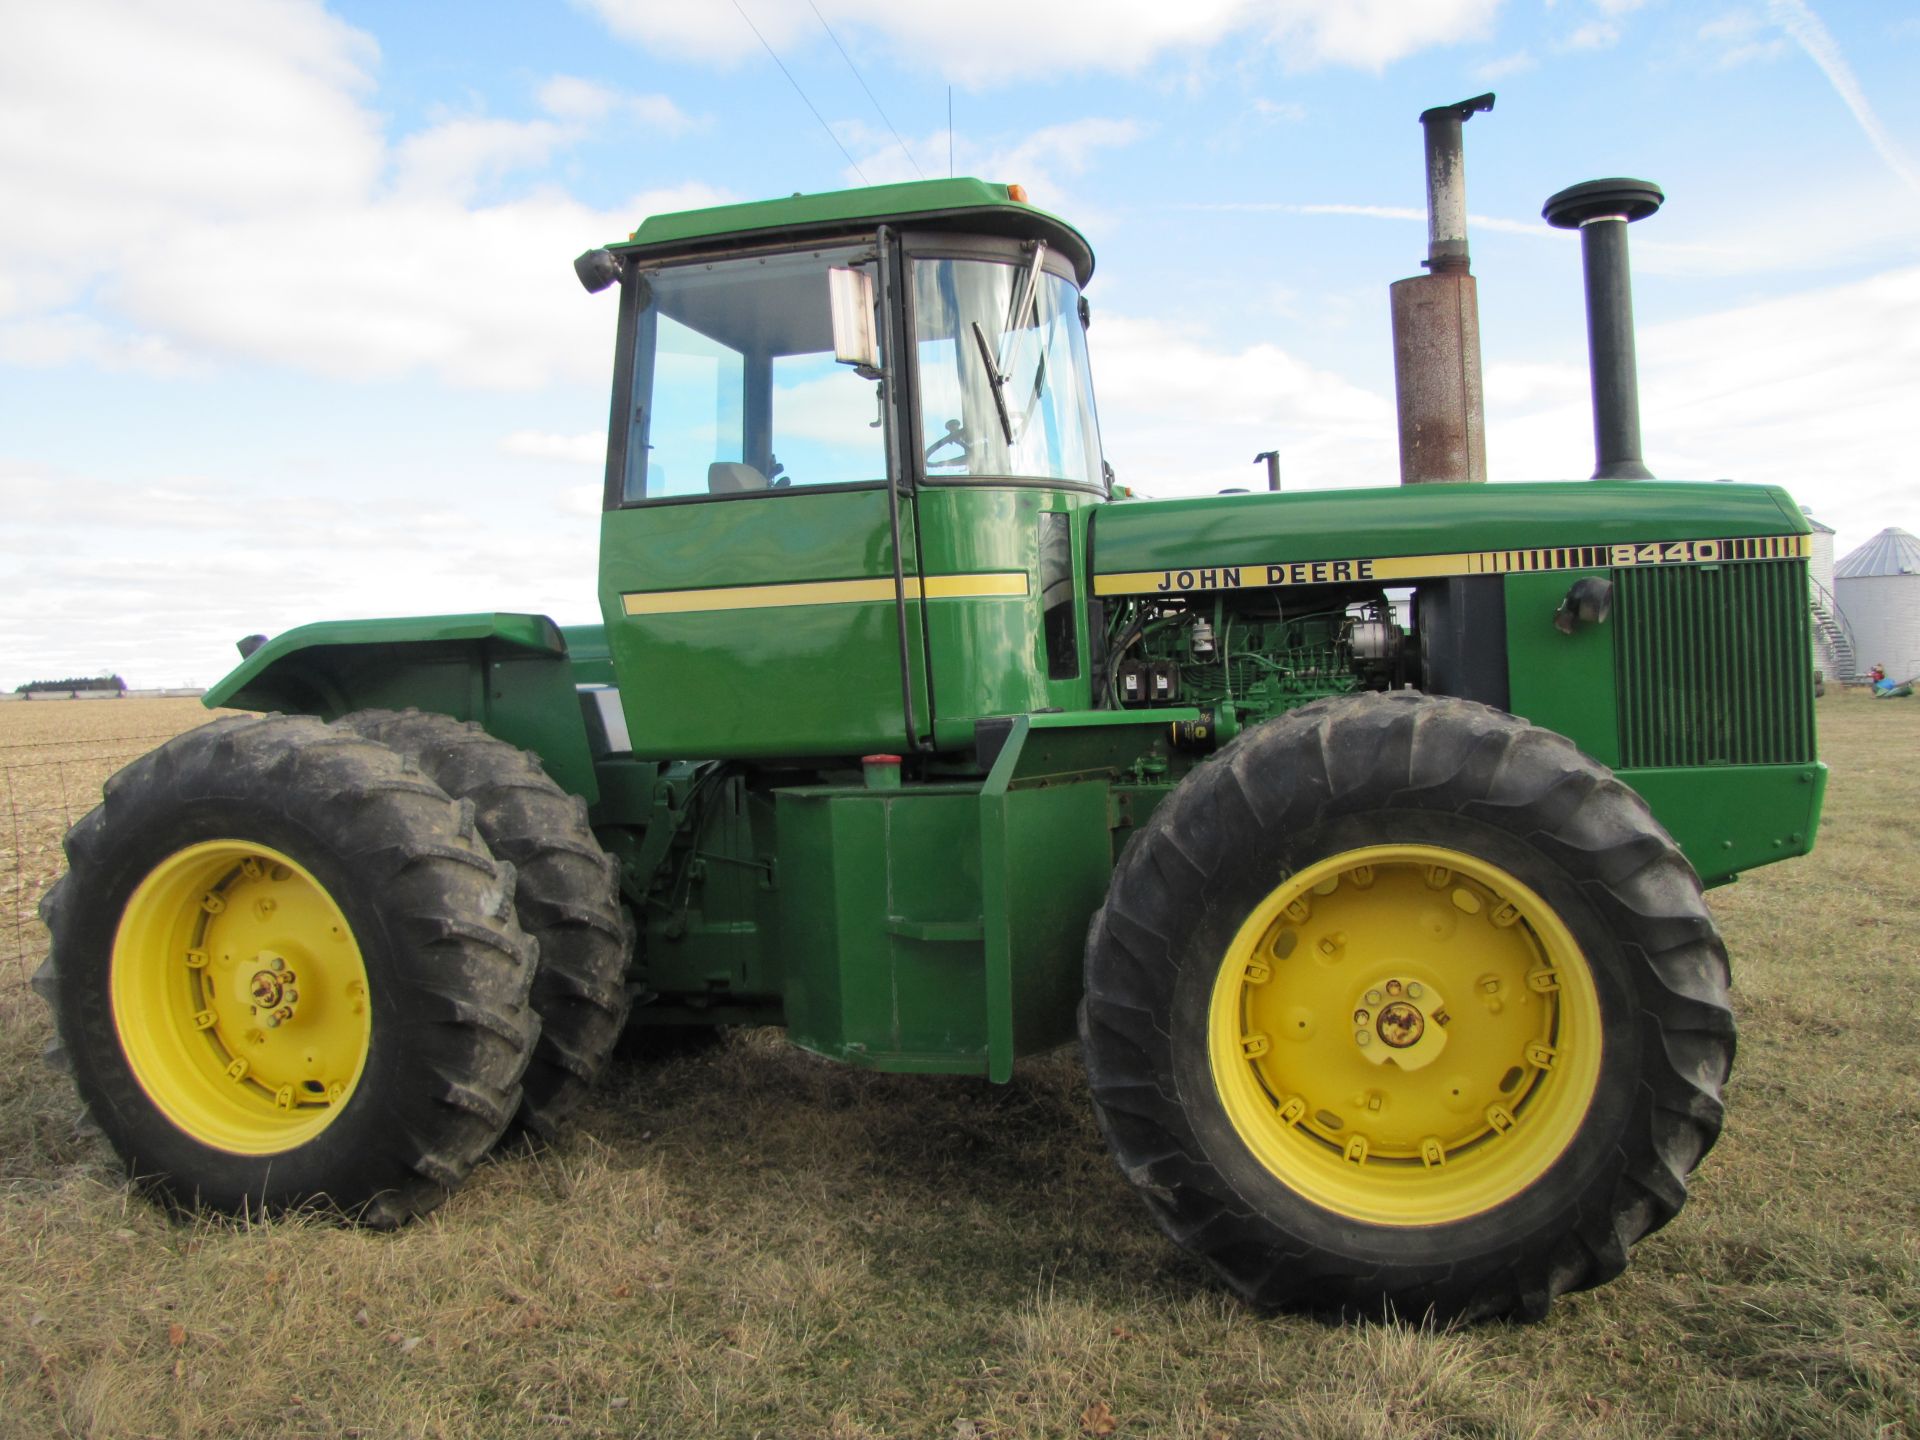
<point>850,297</point>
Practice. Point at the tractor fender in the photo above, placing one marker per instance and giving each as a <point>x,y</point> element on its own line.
<point>511,673</point>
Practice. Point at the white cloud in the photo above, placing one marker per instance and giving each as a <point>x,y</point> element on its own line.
<point>1799,21</point>
<point>1594,35</point>
<point>1812,391</point>
<point>164,232</point>
<point>106,144</point>
<point>1179,414</point>
<point>1534,228</point>
<point>1517,63</point>
<point>587,449</point>
<point>46,341</point>
<point>481,297</point>
<point>1841,223</point>
<point>455,158</point>
<point>1044,160</point>
<point>134,598</point>
<point>1001,41</point>
<point>568,97</point>
<point>1743,38</point>
<point>1291,111</point>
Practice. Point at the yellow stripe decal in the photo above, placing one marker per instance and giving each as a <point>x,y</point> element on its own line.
<point>1011,584</point>
<point>1390,568</point>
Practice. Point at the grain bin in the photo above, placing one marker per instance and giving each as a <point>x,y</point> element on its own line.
<point>1879,588</point>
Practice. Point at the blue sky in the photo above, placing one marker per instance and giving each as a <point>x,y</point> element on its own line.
<point>288,329</point>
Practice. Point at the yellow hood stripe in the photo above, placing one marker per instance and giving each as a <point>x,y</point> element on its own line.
<point>1390,568</point>
<point>986,586</point>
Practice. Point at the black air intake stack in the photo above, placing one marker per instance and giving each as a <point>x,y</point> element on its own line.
<point>1601,210</point>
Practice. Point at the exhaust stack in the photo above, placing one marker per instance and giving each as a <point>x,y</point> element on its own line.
<point>1436,323</point>
<point>1601,210</point>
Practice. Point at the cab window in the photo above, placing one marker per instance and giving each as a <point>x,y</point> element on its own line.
<point>736,389</point>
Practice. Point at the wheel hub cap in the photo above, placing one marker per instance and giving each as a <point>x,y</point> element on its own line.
<point>1401,1023</point>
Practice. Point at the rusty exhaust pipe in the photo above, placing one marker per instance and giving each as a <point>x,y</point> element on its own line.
<point>1436,323</point>
<point>1601,210</point>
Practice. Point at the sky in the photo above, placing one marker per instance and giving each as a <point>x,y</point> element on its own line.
<point>289,329</point>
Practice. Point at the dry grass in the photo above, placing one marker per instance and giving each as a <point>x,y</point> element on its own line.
<point>751,1242</point>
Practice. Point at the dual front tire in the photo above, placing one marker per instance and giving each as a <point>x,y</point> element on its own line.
<point>288,968</point>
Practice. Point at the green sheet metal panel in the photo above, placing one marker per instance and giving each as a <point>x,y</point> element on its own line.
<point>765,626</point>
<point>1145,538</point>
<point>1047,861</point>
<point>1561,682</point>
<point>1731,818</point>
<point>990,654</point>
<point>978,204</point>
<point>880,923</point>
<point>791,646</point>
<point>510,672</point>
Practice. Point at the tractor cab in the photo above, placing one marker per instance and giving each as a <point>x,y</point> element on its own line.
<point>884,537</point>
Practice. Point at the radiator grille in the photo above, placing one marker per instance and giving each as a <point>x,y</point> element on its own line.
<point>1715,664</point>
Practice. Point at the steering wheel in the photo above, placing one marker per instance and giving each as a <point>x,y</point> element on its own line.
<point>956,435</point>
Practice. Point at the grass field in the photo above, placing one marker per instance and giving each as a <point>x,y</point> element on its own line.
<point>753,1242</point>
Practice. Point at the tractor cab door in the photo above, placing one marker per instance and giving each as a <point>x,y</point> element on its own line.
<point>747,572</point>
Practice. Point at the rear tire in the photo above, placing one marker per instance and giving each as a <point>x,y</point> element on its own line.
<point>568,896</point>
<point>1402,1004</point>
<point>285,970</point>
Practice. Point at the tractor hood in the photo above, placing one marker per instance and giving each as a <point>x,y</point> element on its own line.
<point>1408,533</point>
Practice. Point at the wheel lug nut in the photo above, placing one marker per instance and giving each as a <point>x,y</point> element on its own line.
<point>1373,997</point>
<point>1360,1017</point>
<point>1362,1037</point>
<point>1415,989</point>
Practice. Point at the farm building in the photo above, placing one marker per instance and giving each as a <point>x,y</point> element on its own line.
<point>1878,586</point>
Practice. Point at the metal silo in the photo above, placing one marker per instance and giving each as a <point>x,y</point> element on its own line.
<point>1879,589</point>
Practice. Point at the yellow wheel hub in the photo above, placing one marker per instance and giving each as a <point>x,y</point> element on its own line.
<point>240,997</point>
<point>1405,1035</point>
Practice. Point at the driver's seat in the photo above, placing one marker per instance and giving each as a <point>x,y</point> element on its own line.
<point>730,477</point>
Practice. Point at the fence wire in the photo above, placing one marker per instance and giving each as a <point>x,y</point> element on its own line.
<point>40,798</point>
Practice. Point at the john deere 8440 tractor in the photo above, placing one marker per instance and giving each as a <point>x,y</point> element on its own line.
<point>1357,836</point>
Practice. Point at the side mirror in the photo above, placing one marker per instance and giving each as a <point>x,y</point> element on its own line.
<point>850,297</point>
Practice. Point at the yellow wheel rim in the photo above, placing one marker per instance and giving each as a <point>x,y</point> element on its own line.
<point>1405,1035</point>
<point>240,997</point>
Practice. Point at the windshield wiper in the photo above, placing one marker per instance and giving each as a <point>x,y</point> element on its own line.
<point>995,379</point>
<point>1022,309</point>
<point>1029,287</point>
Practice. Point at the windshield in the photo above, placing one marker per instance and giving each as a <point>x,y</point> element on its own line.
<point>735,385</point>
<point>1001,394</point>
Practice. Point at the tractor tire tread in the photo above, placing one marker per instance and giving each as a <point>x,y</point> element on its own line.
<point>410,848</point>
<point>567,895</point>
<point>1347,756</point>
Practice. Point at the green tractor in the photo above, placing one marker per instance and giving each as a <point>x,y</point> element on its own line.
<point>1357,837</point>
